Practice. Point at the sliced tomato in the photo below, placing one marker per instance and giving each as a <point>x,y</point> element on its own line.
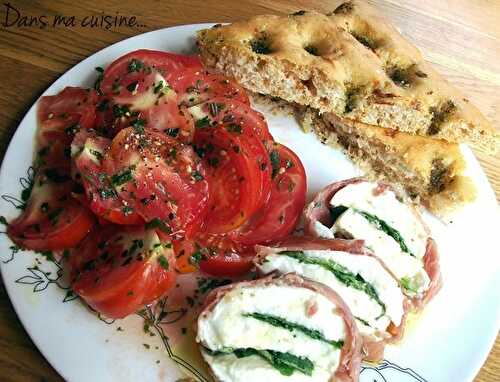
<point>118,270</point>
<point>52,220</point>
<point>229,136</point>
<point>216,255</point>
<point>159,178</point>
<point>136,92</point>
<point>89,154</point>
<point>59,118</point>
<point>280,214</point>
<point>195,86</point>
<point>136,61</point>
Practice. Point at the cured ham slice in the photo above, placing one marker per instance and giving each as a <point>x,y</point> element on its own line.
<point>393,230</point>
<point>355,274</point>
<point>279,329</point>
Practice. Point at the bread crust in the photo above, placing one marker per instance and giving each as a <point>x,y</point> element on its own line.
<point>351,63</point>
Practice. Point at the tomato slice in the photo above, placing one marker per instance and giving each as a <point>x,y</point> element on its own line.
<point>280,214</point>
<point>52,220</point>
<point>216,255</point>
<point>159,178</point>
<point>118,270</point>
<point>230,136</point>
<point>59,118</point>
<point>195,86</point>
<point>136,92</point>
<point>89,153</point>
<point>134,62</point>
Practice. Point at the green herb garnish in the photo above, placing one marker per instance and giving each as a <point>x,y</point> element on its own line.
<point>121,177</point>
<point>202,123</point>
<point>135,65</point>
<point>336,211</point>
<point>274,157</point>
<point>158,224</point>
<point>162,260</point>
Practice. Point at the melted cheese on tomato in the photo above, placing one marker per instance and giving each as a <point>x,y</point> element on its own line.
<point>225,327</point>
<point>361,304</point>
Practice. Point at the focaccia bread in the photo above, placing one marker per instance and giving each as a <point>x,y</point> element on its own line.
<point>343,64</point>
<point>430,170</point>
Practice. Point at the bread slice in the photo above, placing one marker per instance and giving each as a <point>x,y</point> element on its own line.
<point>348,63</point>
<point>430,170</point>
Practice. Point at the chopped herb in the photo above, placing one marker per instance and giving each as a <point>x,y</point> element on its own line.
<point>160,87</point>
<point>341,273</point>
<point>173,132</point>
<point>274,157</point>
<point>195,257</point>
<point>96,153</point>
<point>138,125</point>
<point>122,177</point>
<point>292,326</point>
<point>288,164</point>
<point>135,65</point>
<point>202,123</point>
<point>120,111</point>
<point>132,87</point>
<point>162,260</point>
<point>160,224</point>
<point>127,210</point>
<point>106,193</point>
<point>197,176</point>
<point>146,346</point>
<point>234,128</point>
<point>364,322</point>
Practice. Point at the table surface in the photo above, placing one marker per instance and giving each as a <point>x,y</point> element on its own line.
<point>461,37</point>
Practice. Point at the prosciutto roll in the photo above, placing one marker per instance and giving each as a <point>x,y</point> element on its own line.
<point>390,228</point>
<point>279,329</point>
<point>369,289</point>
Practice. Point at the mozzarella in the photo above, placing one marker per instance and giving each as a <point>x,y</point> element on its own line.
<point>229,368</point>
<point>226,327</point>
<point>360,303</point>
<point>388,208</point>
<point>362,197</point>
<point>385,247</point>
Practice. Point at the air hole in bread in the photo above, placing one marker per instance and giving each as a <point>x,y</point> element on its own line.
<point>343,9</point>
<point>298,13</point>
<point>311,50</point>
<point>400,76</point>
<point>439,116</point>
<point>261,45</point>
<point>310,86</point>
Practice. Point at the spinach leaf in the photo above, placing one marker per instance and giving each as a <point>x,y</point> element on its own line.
<point>291,326</point>
<point>341,273</point>
<point>285,363</point>
<point>383,226</point>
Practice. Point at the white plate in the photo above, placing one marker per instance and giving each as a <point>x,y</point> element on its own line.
<point>448,342</point>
